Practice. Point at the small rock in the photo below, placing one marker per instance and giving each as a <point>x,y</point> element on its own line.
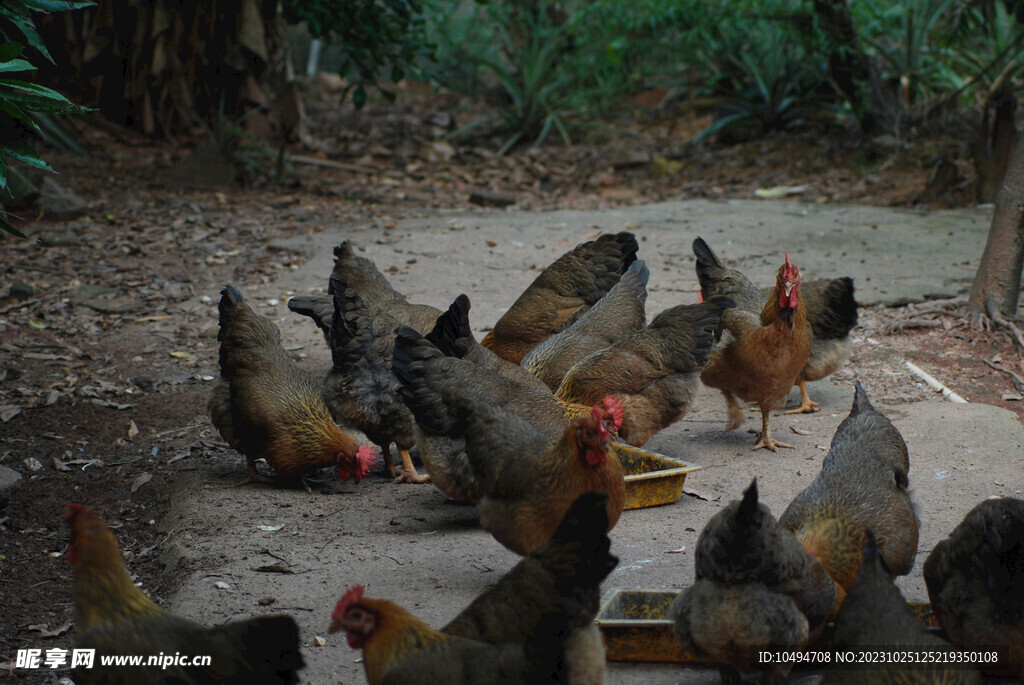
<point>21,291</point>
<point>144,383</point>
<point>58,201</point>
<point>493,198</point>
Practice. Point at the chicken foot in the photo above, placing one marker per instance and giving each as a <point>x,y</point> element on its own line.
<point>807,405</point>
<point>736,415</point>
<point>255,476</point>
<point>407,472</point>
<point>766,440</point>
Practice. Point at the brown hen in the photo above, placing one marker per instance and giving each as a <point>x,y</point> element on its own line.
<point>566,289</point>
<point>115,618</point>
<point>266,406</point>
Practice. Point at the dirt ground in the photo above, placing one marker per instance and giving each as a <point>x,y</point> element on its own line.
<point>109,355</point>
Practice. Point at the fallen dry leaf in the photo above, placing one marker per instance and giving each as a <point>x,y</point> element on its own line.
<point>799,431</point>
<point>141,480</point>
<point>133,430</point>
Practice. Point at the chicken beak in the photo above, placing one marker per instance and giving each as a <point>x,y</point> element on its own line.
<point>787,287</point>
<point>335,626</point>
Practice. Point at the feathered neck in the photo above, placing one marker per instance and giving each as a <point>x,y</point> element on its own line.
<point>102,590</point>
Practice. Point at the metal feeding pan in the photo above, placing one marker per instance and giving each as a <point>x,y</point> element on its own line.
<point>636,627</point>
<point>652,479</point>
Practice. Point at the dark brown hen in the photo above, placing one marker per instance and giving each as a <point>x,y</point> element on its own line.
<point>975,580</point>
<point>566,289</point>
<point>874,617</point>
<point>862,485</point>
<point>563,576</point>
<point>755,589</point>
<point>615,316</point>
<point>654,372</point>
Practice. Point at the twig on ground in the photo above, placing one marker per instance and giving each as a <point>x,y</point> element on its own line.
<point>900,325</point>
<point>1000,320</point>
<point>1018,382</point>
<point>934,384</point>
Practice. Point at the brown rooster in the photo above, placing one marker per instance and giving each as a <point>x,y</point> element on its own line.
<point>563,575</point>
<point>862,485</point>
<point>875,616</point>
<point>432,383</point>
<point>652,373</point>
<point>755,589</point>
<point>114,617</point>
<point>975,580</point>
<point>615,316</point>
<point>566,289</point>
<point>362,275</point>
<point>764,346</point>
<point>832,313</point>
<point>265,406</point>
<point>400,649</point>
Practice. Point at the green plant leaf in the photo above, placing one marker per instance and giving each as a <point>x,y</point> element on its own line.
<point>56,5</point>
<point>18,114</point>
<point>3,169</point>
<point>28,29</point>
<point>4,226</point>
<point>359,97</point>
<point>10,50</point>
<point>23,152</point>
<point>15,65</point>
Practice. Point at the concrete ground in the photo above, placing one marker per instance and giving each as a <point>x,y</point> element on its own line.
<point>406,543</point>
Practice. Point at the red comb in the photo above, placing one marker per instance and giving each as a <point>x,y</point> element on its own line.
<point>71,511</point>
<point>598,419</point>
<point>352,596</point>
<point>614,409</point>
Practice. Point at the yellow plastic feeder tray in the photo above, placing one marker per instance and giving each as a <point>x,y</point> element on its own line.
<point>652,479</point>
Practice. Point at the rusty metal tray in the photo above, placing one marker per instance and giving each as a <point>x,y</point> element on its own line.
<point>652,479</point>
<point>636,627</point>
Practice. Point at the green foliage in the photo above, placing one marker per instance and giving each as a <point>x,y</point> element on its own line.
<point>19,97</point>
<point>382,40</point>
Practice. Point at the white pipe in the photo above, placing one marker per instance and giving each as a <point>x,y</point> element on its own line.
<point>934,384</point>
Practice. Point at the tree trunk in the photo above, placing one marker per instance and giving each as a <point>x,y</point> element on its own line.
<point>853,73</point>
<point>996,136</point>
<point>999,272</point>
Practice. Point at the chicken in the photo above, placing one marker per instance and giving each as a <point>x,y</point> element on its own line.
<point>432,384</point>
<point>362,275</point>
<point>453,336</point>
<point>114,617</point>
<point>265,406</point>
<point>755,589</point>
<point>652,373</point>
<point>862,485</point>
<point>360,389</point>
<point>765,344</point>
<point>832,313</point>
<point>566,289</point>
<point>400,649</point>
<point>523,476</point>
<point>975,580</point>
<point>563,575</point>
<point>529,480</point>
<point>615,316</point>
<point>875,616</point>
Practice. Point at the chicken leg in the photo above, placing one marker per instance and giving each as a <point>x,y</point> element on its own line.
<point>807,405</point>
<point>736,415</point>
<point>766,440</point>
<point>254,476</point>
<point>407,472</point>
